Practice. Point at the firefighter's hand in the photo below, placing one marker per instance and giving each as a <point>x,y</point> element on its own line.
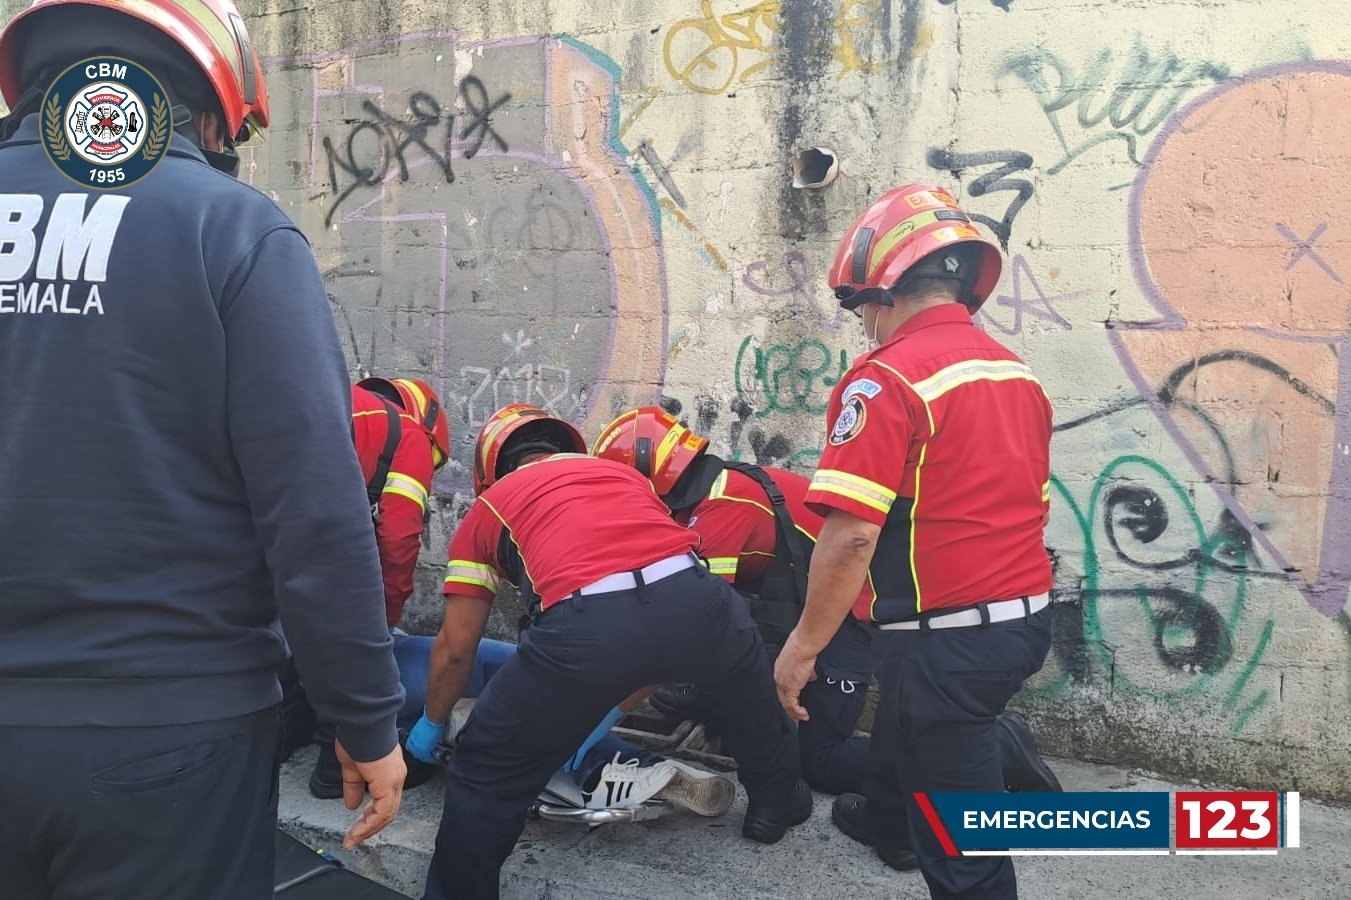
<point>383,779</point>
<point>792,671</point>
<point>424,738</point>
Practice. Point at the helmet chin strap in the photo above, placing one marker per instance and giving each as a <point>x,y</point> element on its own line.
<point>226,161</point>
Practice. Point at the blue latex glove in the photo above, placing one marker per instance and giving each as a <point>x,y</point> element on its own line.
<point>424,737</point>
<point>593,738</point>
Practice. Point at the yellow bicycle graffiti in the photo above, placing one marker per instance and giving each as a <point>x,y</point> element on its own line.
<point>705,53</point>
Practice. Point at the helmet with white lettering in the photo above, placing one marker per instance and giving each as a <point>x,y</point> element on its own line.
<point>652,441</point>
<point>199,49</point>
<point>515,431</point>
<point>416,398</point>
<point>913,231</point>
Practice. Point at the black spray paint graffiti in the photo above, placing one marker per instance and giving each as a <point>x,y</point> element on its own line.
<point>375,144</point>
<point>1008,162</point>
<point>1133,101</point>
<point>1152,558</point>
<point>746,444</point>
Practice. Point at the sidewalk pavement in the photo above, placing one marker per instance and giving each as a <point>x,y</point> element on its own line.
<point>683,856</point>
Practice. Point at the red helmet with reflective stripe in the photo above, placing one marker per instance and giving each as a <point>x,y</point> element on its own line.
<point>652,441</point>
<point>525,428</point>
<point>211,32</point>
<point>905,233</point>
<point>417,398</point>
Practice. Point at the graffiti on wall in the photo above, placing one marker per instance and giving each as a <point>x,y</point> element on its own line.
<point>1251,324</point>
<point>500,245</point>
<point>712,53</point>
<point>1167,569</point>
<point>482,223</point>
<point>1118,97</point>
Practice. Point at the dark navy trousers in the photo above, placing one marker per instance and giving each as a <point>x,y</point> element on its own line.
<point>166,811</point>
<point>579,659</point>
<point>834,759</point>
<point>940,691</point>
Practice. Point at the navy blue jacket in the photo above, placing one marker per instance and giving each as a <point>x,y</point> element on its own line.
<point>177,462</point>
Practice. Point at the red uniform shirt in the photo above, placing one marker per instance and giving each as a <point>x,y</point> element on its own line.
<point>559,524</point>
<point>403,501</point>
<point>941,436</point>
<point>738,531</point>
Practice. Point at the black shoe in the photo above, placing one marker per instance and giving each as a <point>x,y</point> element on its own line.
<point>767,824</point>
<point>1024,770</point>
<point>326,779</point>
<point>419,772</point>
<point>684,702</point>
<point>850,814</point>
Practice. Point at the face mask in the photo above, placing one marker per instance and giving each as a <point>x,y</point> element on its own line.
<point>871,339</point>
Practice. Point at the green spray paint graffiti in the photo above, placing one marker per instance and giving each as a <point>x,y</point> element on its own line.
<point>788,378</point>
<point>1159,610</point>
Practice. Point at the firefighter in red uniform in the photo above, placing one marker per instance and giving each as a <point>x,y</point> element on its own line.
<point>402,438</point>
<point>619,602</point>
<point>935,484</point>
<point>756,531</point>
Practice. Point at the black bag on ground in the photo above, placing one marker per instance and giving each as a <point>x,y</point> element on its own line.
<point>304,874</point>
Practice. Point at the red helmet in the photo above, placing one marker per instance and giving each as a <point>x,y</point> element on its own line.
<point>901,235</point>
<point>652,441</point>
<point>210,32</point>
<point>417,398</point>
<point>526,428</point>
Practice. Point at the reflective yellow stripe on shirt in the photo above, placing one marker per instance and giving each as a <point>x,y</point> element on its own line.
<point>719,486</point>
<point>406,486</point>
<point>852,487</point>
<point>958,374</point>
<point>462,571</point>
<point>723,565</point>
<point>1046,492</point>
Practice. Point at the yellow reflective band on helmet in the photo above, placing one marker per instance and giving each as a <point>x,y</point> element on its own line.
<point>612,431</point>
<point>462,571</point>
<point>406,486</point>
<point>898,233</point>
<point>490,436</point>
<point>723,565</point>
<point>852,487</point>
<point>419,398</point>
<point>668,444</point>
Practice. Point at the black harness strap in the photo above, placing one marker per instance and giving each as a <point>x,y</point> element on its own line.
<point>783,592</point>
<point>393,433</point>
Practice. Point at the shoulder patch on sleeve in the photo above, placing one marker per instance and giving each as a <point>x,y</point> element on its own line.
<point>865,386</point>
<point>850,421</point>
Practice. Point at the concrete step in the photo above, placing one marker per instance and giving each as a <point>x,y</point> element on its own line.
<point>683,856</point>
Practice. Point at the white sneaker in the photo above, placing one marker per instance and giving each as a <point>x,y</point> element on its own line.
<point>625,785</point>
<point>702,793</point>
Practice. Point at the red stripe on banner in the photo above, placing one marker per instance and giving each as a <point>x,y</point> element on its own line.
<point>936,824</point>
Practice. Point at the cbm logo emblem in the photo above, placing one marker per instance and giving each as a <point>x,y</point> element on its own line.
<point>106,122</point>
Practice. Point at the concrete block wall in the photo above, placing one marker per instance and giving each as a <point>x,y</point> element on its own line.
<point>588,206</point>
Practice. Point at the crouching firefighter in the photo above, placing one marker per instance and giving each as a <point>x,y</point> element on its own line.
<point>756,532</point>
<point>402,438</point>
<point>621,603</point>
